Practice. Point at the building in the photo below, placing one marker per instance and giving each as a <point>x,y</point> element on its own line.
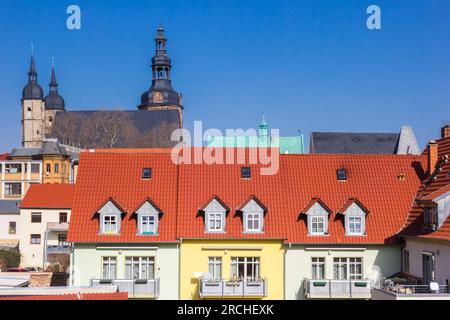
<point>364,143</point>
<point>231,228</point>
<point>57,162</point>
<point>159,113</point>
<point>426,234</point>
<point>123,226</point>
<point>44,222</point>
<point>9,222</point>
<point>344,213</point>
<point>17,175</point>
<point>313,230</point>
<point>287,145</point>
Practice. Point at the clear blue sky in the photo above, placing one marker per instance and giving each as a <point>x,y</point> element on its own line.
<point>308,65</point>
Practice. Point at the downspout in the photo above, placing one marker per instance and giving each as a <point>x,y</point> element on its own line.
<point>179,268</point>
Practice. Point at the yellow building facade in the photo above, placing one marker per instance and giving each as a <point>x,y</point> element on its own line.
<point>233,269</point>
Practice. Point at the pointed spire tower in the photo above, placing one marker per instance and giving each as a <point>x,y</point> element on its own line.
<point>53,101</point>
<point>32,90</point>
<point>161,93</point>
<point>32,109</point>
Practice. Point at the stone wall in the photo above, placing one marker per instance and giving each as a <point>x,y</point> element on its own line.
<point>48,279</point>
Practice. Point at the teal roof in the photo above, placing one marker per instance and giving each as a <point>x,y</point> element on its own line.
<point>291,145</point>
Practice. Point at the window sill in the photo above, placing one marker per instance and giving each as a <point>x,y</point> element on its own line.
<point>215,232</point>
<point>253,232</point>
<point>148,234</point>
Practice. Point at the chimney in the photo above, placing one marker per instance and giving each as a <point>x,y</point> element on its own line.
<point>432,156</point>
<point>445,130</point>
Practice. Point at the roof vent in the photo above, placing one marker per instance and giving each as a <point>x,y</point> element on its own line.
<point>246,173</point>
<point>147,173</point>
<point>341,174</point>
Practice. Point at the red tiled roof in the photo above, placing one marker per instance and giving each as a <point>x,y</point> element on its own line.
<point>181,191</point>
<point>4,156</point>
<point>117,175</point>
<point>197,183</point>
<point>48,196</point>
<point>372,179</point>
<point>81,296</point>
<point>429,190</point>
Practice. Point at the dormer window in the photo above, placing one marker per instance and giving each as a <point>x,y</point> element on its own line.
<point>110,218</point>
<point>148,218</point>
<point>146,173</point>
<point>355,217</point>
<point>254,222</point>
<point>253,215</point>
<point>430,217</point>
<point>317,216</point>
<point>215,215</point>
<point>110,224</point>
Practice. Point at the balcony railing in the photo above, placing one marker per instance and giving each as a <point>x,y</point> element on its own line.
<point>233,288</point>
<point>338,289</point>
<point>58,249</point>
<point>141,288</point>
<point>55,226</point>
<point>401,289</point>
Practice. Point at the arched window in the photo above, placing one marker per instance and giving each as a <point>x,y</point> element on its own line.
<point>29,112</point>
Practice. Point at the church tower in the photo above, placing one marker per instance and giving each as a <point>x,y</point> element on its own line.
<point>32,110</point>
<point>161,94</point>
<point>53,102</point>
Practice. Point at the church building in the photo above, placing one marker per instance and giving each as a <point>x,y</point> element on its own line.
<point>150,125</point>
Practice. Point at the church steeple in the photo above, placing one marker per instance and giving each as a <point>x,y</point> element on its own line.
<point>54,101</point>
<point>32,90</point>
<point>161,93</point>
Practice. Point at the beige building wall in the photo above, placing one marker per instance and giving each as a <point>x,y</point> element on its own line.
<point>33,254</point>
<point>33,125</point>
<point>378,261</point>
<point>440,252</point>
<point>7,238</point>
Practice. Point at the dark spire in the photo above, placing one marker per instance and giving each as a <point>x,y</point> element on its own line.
<point>161,92</point>
<point>32,90</point>
<point>54,101</point>
<point>53,84</point>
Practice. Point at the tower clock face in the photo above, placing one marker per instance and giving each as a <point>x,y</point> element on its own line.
<point>158,97</point>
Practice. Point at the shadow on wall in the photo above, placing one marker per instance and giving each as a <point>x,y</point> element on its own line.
<point>195,295</point>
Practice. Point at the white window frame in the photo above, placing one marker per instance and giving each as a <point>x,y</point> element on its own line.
<point>253,262</point>
<point>114,218</point>
<point>318,226</point>
<point>147,226</point>
<point>353,225</point>
<point>347,266</point>
<point>143,265</point>
<point>317,264</point>
<point>254,217</point>
<point>215,268</point>
<point>107,264</point>
<point>215,221</point>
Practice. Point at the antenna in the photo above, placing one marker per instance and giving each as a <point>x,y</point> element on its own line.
<point>32,48</point>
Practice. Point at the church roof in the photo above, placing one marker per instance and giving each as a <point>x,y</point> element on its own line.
<point>140,120</point>
<point>353,143</point>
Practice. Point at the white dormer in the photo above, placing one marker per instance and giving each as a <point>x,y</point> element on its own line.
<point>148,218</point>
<point>317,216</point>
<point>215,215</point>
<point>253,215</point>
<point>355,218</point>
<point>443,208</point>
<point>110,218</point>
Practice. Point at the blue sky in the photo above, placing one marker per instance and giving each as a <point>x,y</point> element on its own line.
<point>308,65</point>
